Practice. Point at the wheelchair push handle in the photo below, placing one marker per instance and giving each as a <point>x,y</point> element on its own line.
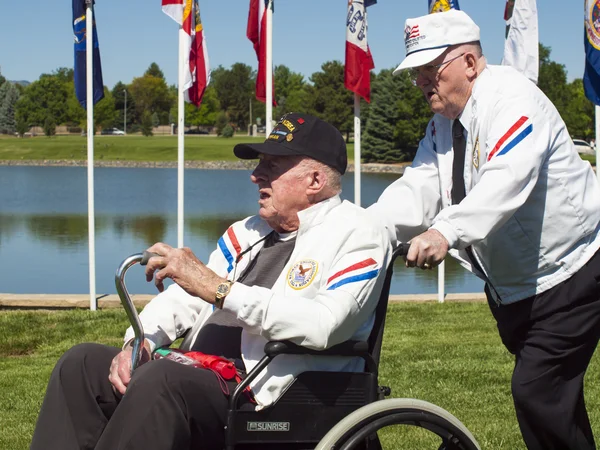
<point>402,249</point>
<point>134,318</point>
<point>146,256</point>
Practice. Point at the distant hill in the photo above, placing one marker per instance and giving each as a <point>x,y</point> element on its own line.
<point>21,82</point>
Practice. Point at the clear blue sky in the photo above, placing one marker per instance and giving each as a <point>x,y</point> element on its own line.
<point>37,35</point>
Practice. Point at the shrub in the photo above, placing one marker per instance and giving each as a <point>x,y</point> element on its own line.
<point>146,124</point>
<point>221,123</point>
<point>49,126</point>
<point>227,131</point>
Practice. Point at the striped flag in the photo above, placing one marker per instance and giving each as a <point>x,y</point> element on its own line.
<point>197,73</point>
<point>359,61</point>
<point>442,5</point>
<point>521,48</point>
<point>256,31</point>
<point>591,77</point>
<point>79,28</point>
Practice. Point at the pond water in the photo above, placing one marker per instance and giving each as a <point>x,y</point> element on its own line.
<point>44,237</point>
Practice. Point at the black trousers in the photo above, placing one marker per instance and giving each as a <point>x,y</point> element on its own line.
<point>553,336</point>
<point>167,406</point>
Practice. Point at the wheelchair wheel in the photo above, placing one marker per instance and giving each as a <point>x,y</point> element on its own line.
<point>350,432</point>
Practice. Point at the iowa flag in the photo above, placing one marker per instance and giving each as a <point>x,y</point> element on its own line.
<point>80,31</point>
<point>256,31</point>
<point>197,71</point>
<point>591,77</point>
<point>359,62</point>
<point>442,5</point>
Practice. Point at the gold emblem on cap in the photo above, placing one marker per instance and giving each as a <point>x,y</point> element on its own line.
<point>289,137</point>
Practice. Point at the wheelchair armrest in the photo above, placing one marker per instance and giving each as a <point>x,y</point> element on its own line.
<point>348,348</point>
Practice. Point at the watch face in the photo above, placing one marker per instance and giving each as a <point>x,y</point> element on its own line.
<point>223,289</point>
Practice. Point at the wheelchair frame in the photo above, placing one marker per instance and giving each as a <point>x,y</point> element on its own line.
<point>349,407</point>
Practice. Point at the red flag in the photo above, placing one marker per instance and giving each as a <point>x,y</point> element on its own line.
<point>359,61</point>
<point>197,73</point>
<point>256,31</point>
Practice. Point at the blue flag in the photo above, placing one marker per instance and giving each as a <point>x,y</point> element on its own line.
<point>591,77</point>
<point>442,5</point>
<point>80,31</point>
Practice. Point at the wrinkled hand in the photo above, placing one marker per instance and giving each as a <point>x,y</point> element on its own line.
<point>182,266</point>
<point>120,367</point>
<point>427,250</point>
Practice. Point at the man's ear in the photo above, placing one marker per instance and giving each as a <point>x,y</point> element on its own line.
<point>317,182</point>
<point>471,61</point>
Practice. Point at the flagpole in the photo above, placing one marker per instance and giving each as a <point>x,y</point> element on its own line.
<point>89,45</point>
<point>180,137</point>
<point>597,111</point>
<point>269,69</point>
<point>357,169</point>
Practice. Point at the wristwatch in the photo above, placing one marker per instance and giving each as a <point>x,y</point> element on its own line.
<point>222,292</point>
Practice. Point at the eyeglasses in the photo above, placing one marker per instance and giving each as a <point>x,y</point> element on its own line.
<point>429,71</point>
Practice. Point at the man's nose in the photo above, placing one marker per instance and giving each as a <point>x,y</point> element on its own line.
<point>257,175</point>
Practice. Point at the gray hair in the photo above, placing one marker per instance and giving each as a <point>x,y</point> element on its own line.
<point>333,177</point>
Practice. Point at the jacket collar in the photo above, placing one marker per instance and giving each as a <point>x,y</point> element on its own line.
<point>470,110</point>
<point>316,213</point>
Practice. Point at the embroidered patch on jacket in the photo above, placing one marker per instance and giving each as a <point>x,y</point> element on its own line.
<point>476,153</point>
<point>302,273</point>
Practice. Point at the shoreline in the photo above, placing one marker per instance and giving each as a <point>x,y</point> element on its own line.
<point>209,165</point>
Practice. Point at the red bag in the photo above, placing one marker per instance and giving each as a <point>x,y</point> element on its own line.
<point>223,368</point>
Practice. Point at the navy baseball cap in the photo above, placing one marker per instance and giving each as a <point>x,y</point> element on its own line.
<point>298,134</point>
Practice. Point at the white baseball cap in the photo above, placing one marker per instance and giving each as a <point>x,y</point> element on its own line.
<point>427,37</point>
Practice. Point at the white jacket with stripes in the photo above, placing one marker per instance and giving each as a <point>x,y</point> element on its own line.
<point>325,295</point>
<point>532,210</point>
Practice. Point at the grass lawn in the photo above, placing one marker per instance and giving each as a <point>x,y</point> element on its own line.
<point>448,354</point>
<point>128,148</point>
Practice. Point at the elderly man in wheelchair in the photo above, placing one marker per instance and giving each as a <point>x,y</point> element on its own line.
<point>308,269</point>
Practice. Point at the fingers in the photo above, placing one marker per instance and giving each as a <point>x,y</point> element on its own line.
<point>120,371</point>
<point>427,250</point>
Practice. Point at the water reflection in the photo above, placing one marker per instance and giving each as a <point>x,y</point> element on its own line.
<point>44,224</point>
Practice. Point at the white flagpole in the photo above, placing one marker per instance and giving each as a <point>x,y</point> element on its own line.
<point>357,169</point>
<point>89,47</point>
<point>269,68</point>
<point>596,143</point>
<point>180,137</point>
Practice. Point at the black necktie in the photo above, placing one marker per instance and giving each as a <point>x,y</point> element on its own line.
<point>459,144</point>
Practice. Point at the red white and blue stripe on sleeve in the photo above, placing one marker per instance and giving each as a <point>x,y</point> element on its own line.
<point>515,134</point>
<point>230,247</point>
<point>364,270</point>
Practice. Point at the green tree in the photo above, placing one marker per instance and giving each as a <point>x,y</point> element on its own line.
<point>235,91</point>
<point>289,88</point>
<point>205,115</point>
<point>8,108</point>
<point>154,71</point>
<point>44,97</point>
<point>579,114</point>
<point>552,80</point>
<point>413,116</point>
<point>221,122</point>
<point>328,98</point>
<point>147,124</point>
<point>150,94</point>
<point>378,142</point>
<point>2,79</point>
<point>49,126</point>
<point>118,94</point>
<point>104,111</point>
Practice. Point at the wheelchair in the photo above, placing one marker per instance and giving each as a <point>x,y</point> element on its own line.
<point>322,410</point>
